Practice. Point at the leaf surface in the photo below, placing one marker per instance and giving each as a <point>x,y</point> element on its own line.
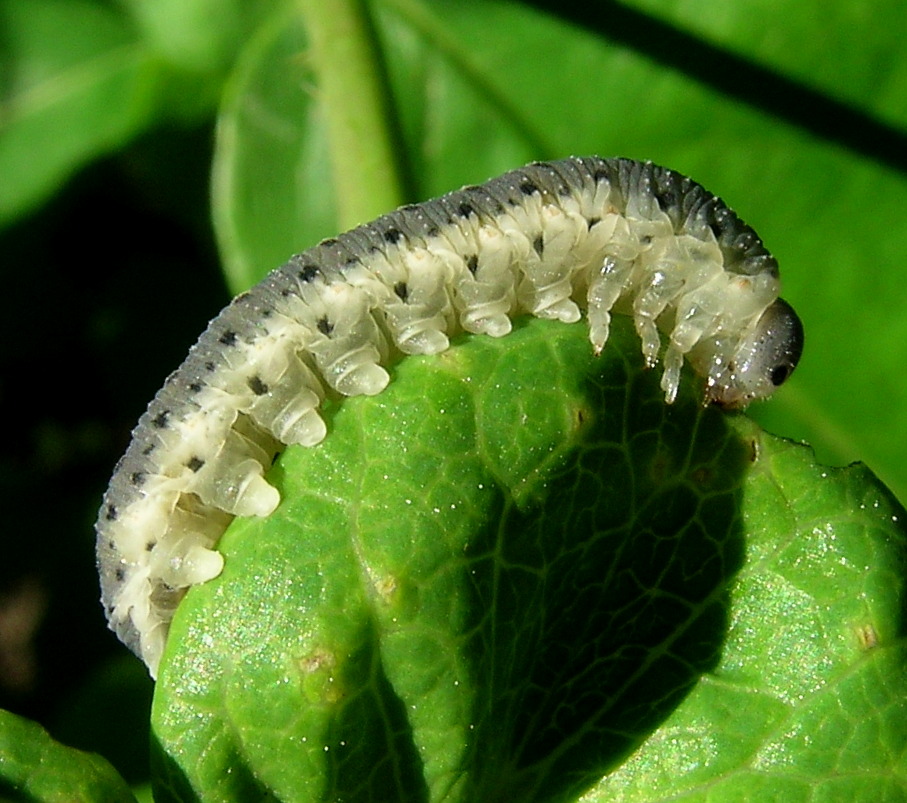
<point>501,576</point>
<point>35,767</point>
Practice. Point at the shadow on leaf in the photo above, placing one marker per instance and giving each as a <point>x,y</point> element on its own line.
<point>597,611</point>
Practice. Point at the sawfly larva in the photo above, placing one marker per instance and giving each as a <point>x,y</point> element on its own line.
<point>555,239</point>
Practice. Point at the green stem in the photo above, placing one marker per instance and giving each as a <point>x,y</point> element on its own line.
<point>356,102</point>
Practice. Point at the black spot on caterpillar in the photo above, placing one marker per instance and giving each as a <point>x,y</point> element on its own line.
<point>551,239</point>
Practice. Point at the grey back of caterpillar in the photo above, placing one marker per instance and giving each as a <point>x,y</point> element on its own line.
<point>550,240</point>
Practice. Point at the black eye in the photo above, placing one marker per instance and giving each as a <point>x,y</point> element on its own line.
<point>780,373</point>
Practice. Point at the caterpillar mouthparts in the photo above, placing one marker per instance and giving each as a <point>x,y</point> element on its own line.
<point>553,239</point>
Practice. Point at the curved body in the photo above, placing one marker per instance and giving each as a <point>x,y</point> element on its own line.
<point>555,240</point>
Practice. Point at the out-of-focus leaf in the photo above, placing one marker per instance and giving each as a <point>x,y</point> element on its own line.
<point>33,767</point>
<point>840,49</point>
<point>196,42</point>
<point>198,36</point>
<point>76,84</point>
<point>79,79</point>
<point>271,179</point>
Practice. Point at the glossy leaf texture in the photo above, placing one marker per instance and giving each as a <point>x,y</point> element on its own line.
<point>516,566</point>
<point>810,160</point>
<point>34,767</point>
<point>808,700</point>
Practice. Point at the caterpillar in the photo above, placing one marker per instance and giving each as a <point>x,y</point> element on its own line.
<point>552,239</point>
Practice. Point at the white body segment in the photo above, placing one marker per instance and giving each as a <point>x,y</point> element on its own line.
<point>554,240</point>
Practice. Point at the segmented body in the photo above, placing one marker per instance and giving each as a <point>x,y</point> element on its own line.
<point>550,240</point>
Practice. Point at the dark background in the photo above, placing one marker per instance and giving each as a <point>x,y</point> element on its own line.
<point>121,278</point>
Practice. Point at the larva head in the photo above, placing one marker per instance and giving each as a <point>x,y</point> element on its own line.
<point>764,359</point>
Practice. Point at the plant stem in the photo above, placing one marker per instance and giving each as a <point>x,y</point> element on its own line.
<point>355,98</point>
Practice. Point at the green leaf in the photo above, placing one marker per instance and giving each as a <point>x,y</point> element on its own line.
<point>839,48</point>
<point>270,178</point>
<point>585,590</point>
<point>196,36</point>
<point>808,701</point>
<point>33,767</point>
<point>440,609</point>
<point>496,579</point>
<point>81,79</point>
<point>481,87</point>
<point>76,85</point>
<point>196,43</point>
